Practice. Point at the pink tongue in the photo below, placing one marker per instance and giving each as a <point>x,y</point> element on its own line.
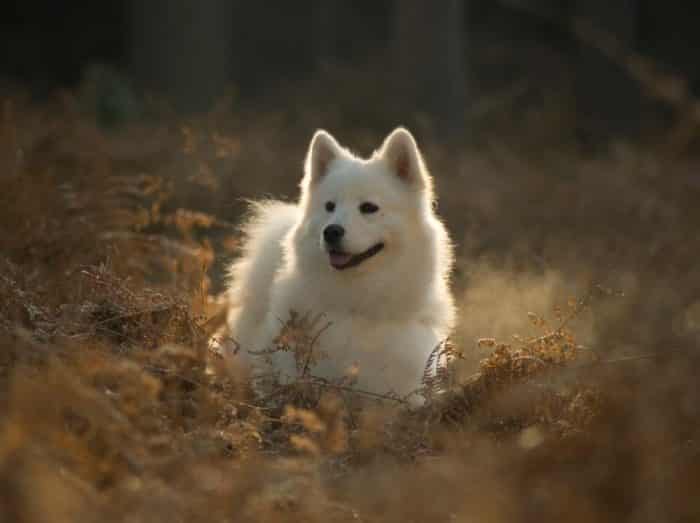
<point>339,259</point>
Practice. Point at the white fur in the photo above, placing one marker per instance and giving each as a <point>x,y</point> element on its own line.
<point>386,314</point>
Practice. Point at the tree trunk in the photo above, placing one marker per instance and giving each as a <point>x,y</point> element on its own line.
<point>183,48</point>
<point>608,99</point>
<point>429,59</point>
<point>326,22</point>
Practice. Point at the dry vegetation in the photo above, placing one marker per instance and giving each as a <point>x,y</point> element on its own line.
<point>579,277</point>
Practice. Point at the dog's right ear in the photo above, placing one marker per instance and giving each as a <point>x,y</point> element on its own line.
<point>322,151</point>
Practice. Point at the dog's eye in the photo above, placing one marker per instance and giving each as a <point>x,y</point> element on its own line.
<point>330,206</point>
<point>368,208</point>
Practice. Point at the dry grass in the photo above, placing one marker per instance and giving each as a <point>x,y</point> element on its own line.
<point>113,408</point>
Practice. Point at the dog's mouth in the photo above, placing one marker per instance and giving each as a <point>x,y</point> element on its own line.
<point>342,260</point>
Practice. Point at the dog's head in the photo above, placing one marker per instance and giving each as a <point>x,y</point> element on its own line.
<point>360,209</point>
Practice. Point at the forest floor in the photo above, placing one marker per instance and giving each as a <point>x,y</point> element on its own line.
<point>573,394</point>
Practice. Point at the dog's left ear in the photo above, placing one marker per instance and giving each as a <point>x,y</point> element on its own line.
<point>404,159</point>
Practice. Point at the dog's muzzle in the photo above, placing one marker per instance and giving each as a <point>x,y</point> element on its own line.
<point>342,260</point>
<point>333,237</point>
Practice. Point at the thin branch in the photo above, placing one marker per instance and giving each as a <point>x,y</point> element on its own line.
<point>322,383</point>
<point>315,339</point>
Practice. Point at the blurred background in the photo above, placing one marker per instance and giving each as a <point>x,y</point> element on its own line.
<point>563,139</point>
<point>453,65</point>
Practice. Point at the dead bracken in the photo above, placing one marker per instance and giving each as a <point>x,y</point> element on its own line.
<point>113,406</point>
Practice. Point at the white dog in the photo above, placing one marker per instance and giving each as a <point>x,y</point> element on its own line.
<point>364,250</point>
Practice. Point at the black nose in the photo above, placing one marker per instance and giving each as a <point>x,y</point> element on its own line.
<point>333,234</point>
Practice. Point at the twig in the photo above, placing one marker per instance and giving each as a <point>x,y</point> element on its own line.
<point>669,88</point>
<point>160,241</point>
<point>315,339</point>
<point>632,358</point>
<point>575,311</point>
<point>322,383</point>
<point>531,358</point>
<point>133,314</point>
<point>162,370</point>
